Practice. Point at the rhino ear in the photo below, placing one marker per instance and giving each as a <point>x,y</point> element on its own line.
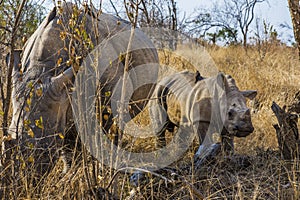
<point>250,94</point>
<point>198,76</point>
<point>222,81</point>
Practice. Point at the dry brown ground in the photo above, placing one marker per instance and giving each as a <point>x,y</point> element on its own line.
<point>274,71</point>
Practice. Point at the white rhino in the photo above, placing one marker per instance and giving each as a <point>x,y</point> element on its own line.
<point>200,105</point>
<point>41,104</point>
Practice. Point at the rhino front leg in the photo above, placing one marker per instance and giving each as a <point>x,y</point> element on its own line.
<point>227,142</point>
<point>159,122</point>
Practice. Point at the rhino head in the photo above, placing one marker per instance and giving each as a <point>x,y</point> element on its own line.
<point>40,97</point>
<point>39,115</point>
<point>238,119</point>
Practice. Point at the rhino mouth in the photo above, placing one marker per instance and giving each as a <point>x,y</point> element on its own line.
<point>243,133</point>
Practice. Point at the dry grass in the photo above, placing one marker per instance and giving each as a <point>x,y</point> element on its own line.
<point>274,72</point>
<point>276,77</point>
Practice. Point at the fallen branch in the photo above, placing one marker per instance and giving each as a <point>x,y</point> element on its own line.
<point>287,133</point>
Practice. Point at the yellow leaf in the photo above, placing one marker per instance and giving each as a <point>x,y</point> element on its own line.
<point>108,109</point>
<point>59,21</point>
<point>122,57</point>
<point>26,122</point>
<point>62,35</point>
<point>100,178</point>
<point>59,61</point>
<point>23,165</point>
<point>7,138</point>
<point>69,63</point>
<point>1,113</point>
<point>39,92</point>
<point>28,101</point>
<point>61,135</point>
<point>39,123</point>
<point>30,132</point>
<point>27,109</point>
<point>30,145</point>
<point>30,84</point>
<point>30,159</point>
<point>78,59</point>
<point>105,117</point>
<point>107,94</point>
<point>72,23</point>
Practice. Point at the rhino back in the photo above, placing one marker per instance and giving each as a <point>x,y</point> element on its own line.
<point>181,93</point>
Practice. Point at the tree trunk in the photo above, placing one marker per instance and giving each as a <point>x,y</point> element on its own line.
<point>287,133</point>
<point>295,15</point>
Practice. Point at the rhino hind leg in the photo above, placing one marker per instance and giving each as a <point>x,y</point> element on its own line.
<point>161,139</point>
<point>72,148</point>
<point>161,136</point>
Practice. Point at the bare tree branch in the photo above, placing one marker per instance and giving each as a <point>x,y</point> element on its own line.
<point>145,11</point>
<point>114,7</point>
<point>5,28</point>
<point>7,100</point>
<point>232,15</point>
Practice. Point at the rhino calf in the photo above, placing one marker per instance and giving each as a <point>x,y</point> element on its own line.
<point>205,105</point>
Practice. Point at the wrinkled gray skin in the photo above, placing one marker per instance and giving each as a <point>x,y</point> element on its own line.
<point>39,66</point>
<point>188,100</point>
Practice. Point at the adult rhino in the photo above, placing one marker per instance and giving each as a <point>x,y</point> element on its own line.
<point>201,106</point>
<point>42,74</point>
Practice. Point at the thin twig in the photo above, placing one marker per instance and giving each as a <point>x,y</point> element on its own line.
<point>114,7</point>
<point>182,179</point>
<point>5,28</point>
<point>137,169</point>
<point>126,67</point>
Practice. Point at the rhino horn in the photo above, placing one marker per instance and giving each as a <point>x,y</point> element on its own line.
<point>64,78</point>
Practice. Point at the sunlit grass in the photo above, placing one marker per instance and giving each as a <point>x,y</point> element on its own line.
<point>274,72</point>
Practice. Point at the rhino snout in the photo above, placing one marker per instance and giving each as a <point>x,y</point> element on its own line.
<point>243,129</point>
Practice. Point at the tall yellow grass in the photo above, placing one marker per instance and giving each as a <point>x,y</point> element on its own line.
<point>273,70</point>
<point>275,75</point>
